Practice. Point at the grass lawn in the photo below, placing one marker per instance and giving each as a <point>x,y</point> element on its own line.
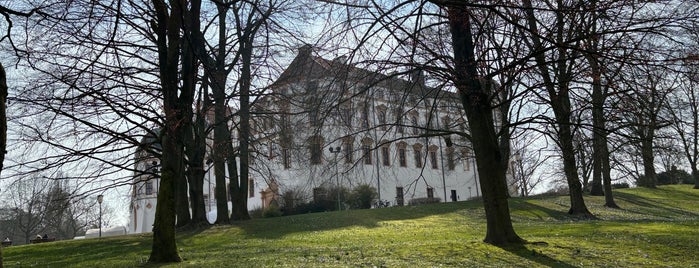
<point>654,228</point>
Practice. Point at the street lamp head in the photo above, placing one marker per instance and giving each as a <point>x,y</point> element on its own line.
<point>100,198</point>
<point>334,149</point>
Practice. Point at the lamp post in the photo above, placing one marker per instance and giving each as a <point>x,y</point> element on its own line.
<point>99,200</point>
<point>336,151</point>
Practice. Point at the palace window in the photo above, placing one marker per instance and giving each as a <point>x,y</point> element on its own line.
<point>401,157</point>
<point>433,156</point>
<point>366,153</point>
<point>251,188</point>
<point>413,123</point>
<point>315,149</point>
<point>149,187</point>
<point>385,157</point>
<point>450,159</point>
<point>381,114</point>
<point>348,148</point>
<point>417,150</point>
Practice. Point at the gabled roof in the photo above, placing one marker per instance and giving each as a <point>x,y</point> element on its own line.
<point>306,66</point>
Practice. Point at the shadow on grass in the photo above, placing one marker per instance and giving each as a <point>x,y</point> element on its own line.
<point>533,211</point>
<point>534,255</point>
<point>272,228</point>
<point>655,209</point>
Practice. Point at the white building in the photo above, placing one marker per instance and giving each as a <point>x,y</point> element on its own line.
<point>398,135</point>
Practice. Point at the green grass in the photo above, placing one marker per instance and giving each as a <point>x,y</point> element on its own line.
<point>655,228</point>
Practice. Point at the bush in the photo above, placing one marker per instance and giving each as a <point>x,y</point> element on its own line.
<point>620,185</point>
<point>423,201</point>
<point>271,211</point>
<point>256,213</point>
<point>674,176</point>
<point>362,196</point>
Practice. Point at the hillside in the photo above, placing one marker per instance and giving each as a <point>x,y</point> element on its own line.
<point>656,227</point>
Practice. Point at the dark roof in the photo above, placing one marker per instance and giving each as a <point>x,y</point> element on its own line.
<point>306,66</point>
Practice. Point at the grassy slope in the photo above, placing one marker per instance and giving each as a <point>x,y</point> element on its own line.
<point>657,227</point>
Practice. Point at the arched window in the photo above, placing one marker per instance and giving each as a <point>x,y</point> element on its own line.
<point>417,153</point>
<point>450,158</point>
<point>399,119</point>
<point>366,150</point>
<point>402,159</point>
<point>432,150</point>
<point>315,148</point>
<point>381,114</point>
<point>348,149</point>
<point>365,115</point>
<point>385,153</point>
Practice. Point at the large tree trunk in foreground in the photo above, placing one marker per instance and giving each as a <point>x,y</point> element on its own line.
<point>3,125</point>
<point>196,152</point>
<point>239,186</point>
<point>221,150</point>
<point>485,143</point>
<point>557,83</point>
<point>607,178</point>
<point>167,27</point>
<point>648,179</point>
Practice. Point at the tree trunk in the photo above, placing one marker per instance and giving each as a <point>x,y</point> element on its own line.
<point>196,151</point>
<point>189,75</point>
<point>240,186</point>
<point>164,245</point>
<point>695,175</point>
<point>607,177</point>
<point>565,137</point>
<point>560,103</point>
<point>485,143</point>
<point>220,151</point>
<point>3,124</point>
<point>598,127</point>
<point>167,27</point>
<point>648,179</point>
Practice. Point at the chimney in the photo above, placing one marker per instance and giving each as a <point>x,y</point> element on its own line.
<point>340,60</point>
<point>417,77</point>
<point>305,50</point>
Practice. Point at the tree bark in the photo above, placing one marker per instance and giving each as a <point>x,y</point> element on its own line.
<point>599,132</point>
<point>196,152</point>
<point>167,27</point>
<point>484,139</point>
<point>220,150</point>
<point>239,186</point>
<point>607,177</point>
<point>648,180</point>
<point>3,125</point>
<point>560,103</point>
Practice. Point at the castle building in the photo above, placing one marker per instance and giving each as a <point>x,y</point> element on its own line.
<point>327,124</point>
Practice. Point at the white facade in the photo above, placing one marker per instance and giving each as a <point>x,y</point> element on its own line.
<point>403,138</point>
<point>144,191</point>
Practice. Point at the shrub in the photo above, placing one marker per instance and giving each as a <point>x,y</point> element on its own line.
<point>362,196</point>
<point>256,213</point>
<point>423,201</point>
<point>271,211</point>
<point>674,176</point>
<point>620,185</point>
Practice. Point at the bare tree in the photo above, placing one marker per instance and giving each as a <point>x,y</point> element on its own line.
<point>685,115</point>
<point>528,162</point>
<point>649,86</point>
